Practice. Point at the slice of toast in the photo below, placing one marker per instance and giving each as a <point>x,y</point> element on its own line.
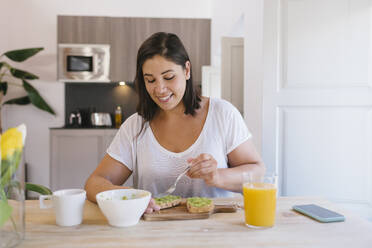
<point>168,201</point>
<point>199,205</point>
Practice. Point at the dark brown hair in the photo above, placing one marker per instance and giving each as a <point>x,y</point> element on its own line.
<point>170,47</point>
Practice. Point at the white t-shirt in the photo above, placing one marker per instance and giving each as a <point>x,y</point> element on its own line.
<point>155,168</point>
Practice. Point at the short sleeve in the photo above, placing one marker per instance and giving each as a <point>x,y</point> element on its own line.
<point>236,130</point>
<point>123,146</point>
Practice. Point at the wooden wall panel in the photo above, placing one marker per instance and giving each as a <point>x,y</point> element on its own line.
<point>83,29</point>
<point>125,35</point>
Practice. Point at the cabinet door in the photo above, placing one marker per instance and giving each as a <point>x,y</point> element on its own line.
<point>83,29</point>
<point>74,156</point>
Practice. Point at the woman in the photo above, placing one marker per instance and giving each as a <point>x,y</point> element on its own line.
<point>174,127</point>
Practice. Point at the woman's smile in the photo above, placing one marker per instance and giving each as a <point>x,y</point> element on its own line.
<point>165,98</point>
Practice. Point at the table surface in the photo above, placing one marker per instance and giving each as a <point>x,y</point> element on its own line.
<point>220,230</point>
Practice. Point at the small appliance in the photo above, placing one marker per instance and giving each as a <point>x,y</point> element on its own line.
<point>74,119</point>
<point>101,119</point>
<point>83,62</point>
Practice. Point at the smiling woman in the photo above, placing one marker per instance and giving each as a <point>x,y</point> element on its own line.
<point>163,57</point>
<point>174,128</point>
<point>164,81</point>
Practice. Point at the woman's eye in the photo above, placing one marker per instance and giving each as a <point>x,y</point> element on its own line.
<point>150,81</point>
<point>169,78</point>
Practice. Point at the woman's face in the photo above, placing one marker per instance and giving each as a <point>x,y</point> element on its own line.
<point>165,81</point>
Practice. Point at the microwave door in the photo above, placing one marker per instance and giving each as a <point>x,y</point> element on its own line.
<point>79,63</point>
<point>79,66</point>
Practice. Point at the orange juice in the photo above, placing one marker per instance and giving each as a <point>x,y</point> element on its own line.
<point>259,204</point>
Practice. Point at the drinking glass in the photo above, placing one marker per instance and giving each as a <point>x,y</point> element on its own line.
<point>259,200</point>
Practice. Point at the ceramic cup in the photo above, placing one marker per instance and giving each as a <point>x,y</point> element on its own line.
<point>68,205</point>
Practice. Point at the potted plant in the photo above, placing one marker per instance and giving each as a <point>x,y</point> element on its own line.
<point>12,184</point>
<point>11,76</point>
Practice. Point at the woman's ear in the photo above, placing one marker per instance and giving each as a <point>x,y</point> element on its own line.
<point>187,70</point>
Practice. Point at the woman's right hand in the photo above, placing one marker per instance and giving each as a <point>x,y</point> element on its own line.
<point>152,207</point>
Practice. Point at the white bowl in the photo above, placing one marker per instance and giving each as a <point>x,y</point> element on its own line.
<point>119,212</point>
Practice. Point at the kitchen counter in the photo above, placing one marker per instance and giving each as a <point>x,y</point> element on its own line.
<point>220,230</point>
<point>79,150</point>
<point>81,128</point>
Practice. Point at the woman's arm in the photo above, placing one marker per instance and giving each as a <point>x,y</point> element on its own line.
<point>244,158</point>
<point>109,174</point>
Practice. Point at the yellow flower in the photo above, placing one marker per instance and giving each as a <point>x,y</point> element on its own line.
<point>11,141</point>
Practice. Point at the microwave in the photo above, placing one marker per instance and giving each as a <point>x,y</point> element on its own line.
<point>83,62</point>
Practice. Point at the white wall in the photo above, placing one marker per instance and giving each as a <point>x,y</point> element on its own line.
<point>33,23</point>
<point>242,18</point>
<point>227,20</point>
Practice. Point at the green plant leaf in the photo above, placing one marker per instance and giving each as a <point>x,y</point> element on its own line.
<point>3,197</point>
<point>33,95</point>
<point>5,208</point>
<point>3,87</point>
<point>4,167</point>
<point>38,188</point>
<point>20,101</point>
<point>22,54</point>
<point>5,212</point>
<point>10,169</point>
<point>36,99</point>
<point>22,74</point>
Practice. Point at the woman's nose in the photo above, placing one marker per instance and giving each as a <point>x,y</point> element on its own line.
<point>160,86</point>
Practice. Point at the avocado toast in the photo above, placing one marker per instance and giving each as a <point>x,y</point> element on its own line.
<point>168,201</point>
<point>199,205</point>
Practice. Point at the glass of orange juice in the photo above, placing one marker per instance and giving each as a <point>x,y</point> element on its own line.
<point>259,200</point>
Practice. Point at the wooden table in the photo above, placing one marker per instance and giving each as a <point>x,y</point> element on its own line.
<point>221,230</point>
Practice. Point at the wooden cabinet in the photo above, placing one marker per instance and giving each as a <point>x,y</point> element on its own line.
<point>126,34</point>
<point>75,153</point>
<point>83,29</point>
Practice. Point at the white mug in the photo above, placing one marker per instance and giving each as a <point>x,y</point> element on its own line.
<point>68,205</point>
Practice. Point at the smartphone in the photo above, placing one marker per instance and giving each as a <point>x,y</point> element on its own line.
<point>319,213</point>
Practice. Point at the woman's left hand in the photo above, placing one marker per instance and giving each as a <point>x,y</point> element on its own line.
<point>204,167</point>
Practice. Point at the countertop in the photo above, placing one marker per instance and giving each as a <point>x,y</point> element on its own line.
<point>220,230</point>
<point>81,128</point>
